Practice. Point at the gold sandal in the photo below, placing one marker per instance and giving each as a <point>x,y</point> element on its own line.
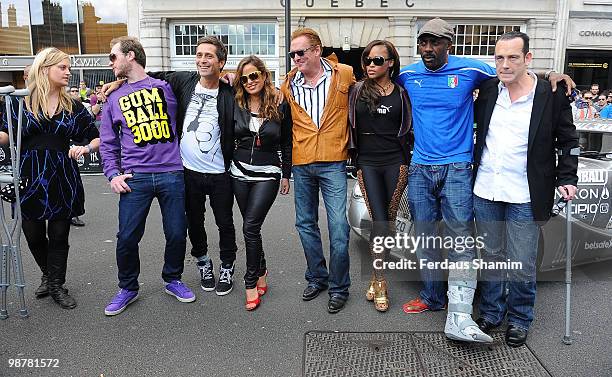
<point>370,293</point>
<point>381,296</point>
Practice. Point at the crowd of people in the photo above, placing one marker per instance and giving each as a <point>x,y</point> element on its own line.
<point>591,104</point>
<point>183,137</point>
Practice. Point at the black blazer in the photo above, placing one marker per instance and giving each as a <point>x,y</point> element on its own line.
<point>551,128</point>
<point>183,85</point>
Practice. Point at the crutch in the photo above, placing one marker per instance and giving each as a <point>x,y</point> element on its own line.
<point>567,340</point>
<point>10,232</point>
<point>558,208</point>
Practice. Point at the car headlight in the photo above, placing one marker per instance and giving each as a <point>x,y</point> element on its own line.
<point>357,192</point>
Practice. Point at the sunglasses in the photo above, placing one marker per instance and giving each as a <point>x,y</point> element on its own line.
<point>300,52</point>
<point>74,90</point>
<point>112,57</point>
<point>377,60</point>
<point>253,76</point>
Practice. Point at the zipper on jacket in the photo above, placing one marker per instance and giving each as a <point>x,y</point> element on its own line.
<point>252,150</point>
<point>403,111</point>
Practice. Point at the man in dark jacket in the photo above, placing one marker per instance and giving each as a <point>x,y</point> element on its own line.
<point>520,124</point>
<point>206,127</point>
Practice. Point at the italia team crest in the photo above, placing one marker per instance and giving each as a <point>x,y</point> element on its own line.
<point>453,81</point>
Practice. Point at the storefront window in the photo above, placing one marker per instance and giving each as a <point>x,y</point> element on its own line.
<point>101,21</point>
<point>477,39</point>
<point>240,39</point>
<point>54,23</point>
<point>92,77</point>
<point>14,28</point>
<point>588,67</point>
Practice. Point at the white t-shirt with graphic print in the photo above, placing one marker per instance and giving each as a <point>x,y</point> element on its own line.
<point>201,138</point>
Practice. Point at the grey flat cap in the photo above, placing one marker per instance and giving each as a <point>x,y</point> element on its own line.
<point>437,27</point>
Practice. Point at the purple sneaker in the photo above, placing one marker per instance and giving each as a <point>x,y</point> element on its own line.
<point>179,290</point>
<point>121,300</point>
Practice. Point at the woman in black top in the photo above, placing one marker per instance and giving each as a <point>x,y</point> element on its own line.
<point>380,116</point>
<point>54,191</point>
<point>262,128</point>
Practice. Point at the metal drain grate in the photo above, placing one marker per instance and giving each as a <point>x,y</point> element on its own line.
<point>418,354</point>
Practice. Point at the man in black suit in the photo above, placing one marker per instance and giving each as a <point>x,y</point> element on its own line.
<point>521,127</point>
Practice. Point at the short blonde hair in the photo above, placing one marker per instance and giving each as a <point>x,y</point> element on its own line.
<point>38,83</point>
<point>309,33</point>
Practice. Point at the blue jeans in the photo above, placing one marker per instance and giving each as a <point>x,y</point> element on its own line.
<point>169,189</point>
<point>330,177</point>
<point>441,192</point>
<point>509,232</point>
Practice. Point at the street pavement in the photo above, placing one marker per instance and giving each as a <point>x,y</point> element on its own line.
<point>215,336</point>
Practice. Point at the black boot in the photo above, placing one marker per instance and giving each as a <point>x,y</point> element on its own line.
<point>40,253</point>
<point>56,267</point>
<point>42,290</point>
<point>61,296</point>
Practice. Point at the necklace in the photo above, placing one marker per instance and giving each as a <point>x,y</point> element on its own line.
<point>258,122</point>
<point>316,78</point>
<point>150,84</point>
<point>385,88</point>
<point>151,92</point>
<point>253,109</point>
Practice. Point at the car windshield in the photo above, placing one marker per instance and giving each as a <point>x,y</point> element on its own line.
<point>595,137</point>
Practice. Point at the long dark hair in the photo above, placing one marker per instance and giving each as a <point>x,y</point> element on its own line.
<point>370,92</point>
<point>269,107</point>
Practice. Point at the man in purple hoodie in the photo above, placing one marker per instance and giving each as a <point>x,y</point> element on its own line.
<point>142,161</point>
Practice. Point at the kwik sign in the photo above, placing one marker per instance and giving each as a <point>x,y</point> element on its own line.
<point>85,62</point>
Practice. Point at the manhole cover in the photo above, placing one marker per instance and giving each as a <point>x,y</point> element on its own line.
<point>418,354</point>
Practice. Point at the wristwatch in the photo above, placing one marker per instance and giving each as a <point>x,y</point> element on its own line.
<point>113,176</point>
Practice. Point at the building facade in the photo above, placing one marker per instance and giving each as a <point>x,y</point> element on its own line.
<point>81,28</point>
<point>573,36</point>
<point>588,56</point>
<point>169,30</point>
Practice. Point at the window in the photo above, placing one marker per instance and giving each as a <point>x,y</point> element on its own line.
<point>14,28</point>
<point>240,39</point>
<point>54,24</point>
<point>478,39</point>
<point>99,22</point>
<point>92,77</point>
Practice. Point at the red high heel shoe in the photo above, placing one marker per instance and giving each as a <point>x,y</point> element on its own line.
<point>249,303</point>
<point>261,290</point>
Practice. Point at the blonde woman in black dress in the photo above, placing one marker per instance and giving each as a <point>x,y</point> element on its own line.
<point>53,193</point>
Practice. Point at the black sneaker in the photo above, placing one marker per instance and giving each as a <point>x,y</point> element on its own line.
<point>226,279</point>
<point>75,221</point>
<point>207,277</point>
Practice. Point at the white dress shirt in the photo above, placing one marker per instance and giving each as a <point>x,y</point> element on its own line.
<point>313,98</point>
<point>502,174</point>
